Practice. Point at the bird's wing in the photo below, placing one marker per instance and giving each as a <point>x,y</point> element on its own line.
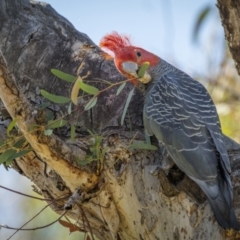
<point>180,113</point>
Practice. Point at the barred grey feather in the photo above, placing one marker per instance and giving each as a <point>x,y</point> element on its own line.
<point>180,113</point>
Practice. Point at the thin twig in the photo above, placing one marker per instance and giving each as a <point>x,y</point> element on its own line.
<point>88,224</point>
<point>21,228</point>
<point>26,195</point>
<point>33,229</point>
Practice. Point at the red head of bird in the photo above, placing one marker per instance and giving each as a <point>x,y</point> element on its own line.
<point>128,58</point>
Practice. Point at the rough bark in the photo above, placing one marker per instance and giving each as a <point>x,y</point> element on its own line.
<point>124,201</point>
<point>230,14</point>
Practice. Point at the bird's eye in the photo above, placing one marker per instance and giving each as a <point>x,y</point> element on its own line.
<point>139,54</point>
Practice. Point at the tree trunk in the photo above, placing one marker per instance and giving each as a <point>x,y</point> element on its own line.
<point>230,12</point>
<point>124,199</point>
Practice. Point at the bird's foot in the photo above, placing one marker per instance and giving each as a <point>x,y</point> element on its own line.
<point>166,162</point>
<point>165,165</point>
<point>157,168</point>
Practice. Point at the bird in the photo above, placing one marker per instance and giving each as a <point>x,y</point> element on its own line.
<point>179,111</point>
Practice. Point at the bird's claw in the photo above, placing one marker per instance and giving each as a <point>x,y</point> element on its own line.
<point>155,170</point>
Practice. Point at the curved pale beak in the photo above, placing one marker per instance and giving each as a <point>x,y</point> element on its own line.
<point>132,69</point>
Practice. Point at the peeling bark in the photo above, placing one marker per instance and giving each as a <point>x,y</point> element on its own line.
<point>126,201</point>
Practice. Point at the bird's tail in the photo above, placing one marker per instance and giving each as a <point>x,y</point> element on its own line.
<point>219,195</point>
<point>224,212</point>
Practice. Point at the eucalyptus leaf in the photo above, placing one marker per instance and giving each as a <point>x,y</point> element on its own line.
<point>126,105</point>
<point>92,102</point>
<point>121,87</point>
<point>19,143</point>
<point>54,98</point>
<point>11,126</point>
<point>201,19</point>
<point>50,116</point>
<point>48,132</point>
<point>56,123</point>
<point>147,138</point>
<point>75,91</point>
<point>142,145</point>
<point>91,132</point>
<point>69,110</point>
<point>17,155</point>
<point>44,105</point>
<point>87,88</point>
<point>104,151</point>
<point>143,69</point>
<point>6,155</point>
<point>92,149</point>
<point>64,76</point>
<point>83,162</point>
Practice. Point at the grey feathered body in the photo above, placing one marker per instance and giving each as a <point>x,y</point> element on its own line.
<point>179,111</point>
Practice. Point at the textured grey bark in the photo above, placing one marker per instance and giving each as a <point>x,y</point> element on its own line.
<point>230,11</point>
<point>125,201</point>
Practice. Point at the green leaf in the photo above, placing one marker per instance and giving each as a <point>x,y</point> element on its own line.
<point>92,149</point>
<point>64,76</point>
<point>87,88</point>
<point>200,20</point>
<point>69,110</point>
<point>17,155</point>
<point>121,87</point>
<point>126,105</point>
<point>54,98</point>
<point>82,162</point>
<point>11,126</point>
<point>75,91</point>
<point>142,145</point>
<point>147,138</point>
<point>19,143</point>
<point>92,102</point>
<point>48,132</point>
<point>99,139</point>
<point>6,155</point>
<point>7,163</point>
<point>104,152</point>
<point>91,133</point>
<point>44,105</point>
<point>73,131</point>
<point>143,69</point>
<point>50,116</point>
<point>56,123</point>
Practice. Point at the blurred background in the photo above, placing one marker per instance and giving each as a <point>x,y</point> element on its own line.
<point>188,34</point>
